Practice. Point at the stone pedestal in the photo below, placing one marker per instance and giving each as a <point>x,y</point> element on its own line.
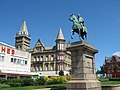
<point>83,67</point>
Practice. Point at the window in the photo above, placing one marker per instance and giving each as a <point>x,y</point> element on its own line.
<point>25,62</point>
<point>2,57</point>
<point>36,68</point>
<point>11,59</point>
<point>22,61</point>
<point>18,61</point>
<point>41,68</point>
<point>60,46</point>
<point>46,58</point>
<point>38,59</point>
<point>34,58</point>
<point>52,67</point>
<point>52,57</point>
<point>41,59</point>
<point>46,67</point>
<point>60,57</point>
<point>58,66</point>
<point>14,60</point>
<point>38,49</point>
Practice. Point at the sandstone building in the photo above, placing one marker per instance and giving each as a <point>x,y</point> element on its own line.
<point>50,60</point>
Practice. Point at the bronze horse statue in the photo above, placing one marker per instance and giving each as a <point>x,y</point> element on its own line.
<point>78,26</point>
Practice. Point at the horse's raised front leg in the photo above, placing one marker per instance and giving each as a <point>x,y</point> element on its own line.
<point>72,33</point>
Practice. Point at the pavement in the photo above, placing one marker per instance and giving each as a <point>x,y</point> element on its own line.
<point>117,88</point>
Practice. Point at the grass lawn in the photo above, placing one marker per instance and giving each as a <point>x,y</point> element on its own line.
<point>35,87</point>
<point>105,81</point>
<point>110,83</point>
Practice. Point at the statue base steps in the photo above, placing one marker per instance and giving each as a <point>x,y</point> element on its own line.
<point>84,85</point>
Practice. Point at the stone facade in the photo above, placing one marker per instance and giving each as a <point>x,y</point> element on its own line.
<point>22,39</point>
<point>45,60</point>
<point>51,59</point>
<point>83,67</point>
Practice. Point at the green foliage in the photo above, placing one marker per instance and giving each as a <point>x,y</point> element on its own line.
<point>98,72</point>
<point>114,79</point>
<point>50,81</point>
<point>56,80</point>
<point>54,87</point>
<point>14,84</point>
<point>61,73</point>
<point>103,79</point>
<point>18,82</point>
<point>27,82</point>
<point>110,82</point>
<point>4,86</point>
<point>40,81</point>
<point>68,78</point>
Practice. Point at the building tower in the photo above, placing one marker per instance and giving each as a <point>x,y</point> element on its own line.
<point>60,51</point>
<point>22,39</point>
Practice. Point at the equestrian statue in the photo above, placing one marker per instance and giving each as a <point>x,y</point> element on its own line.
<point>78,26</point>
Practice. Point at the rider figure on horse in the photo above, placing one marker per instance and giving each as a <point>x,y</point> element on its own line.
<point>78,26</point>
<point>81,21</point>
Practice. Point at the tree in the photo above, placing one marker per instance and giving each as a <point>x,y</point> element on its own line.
<point>102,70</point>
<point>98,72</point>
<point>61,73</point>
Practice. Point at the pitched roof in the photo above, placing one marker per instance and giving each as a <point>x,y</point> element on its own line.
<point>39,43</point>
<point>23,29</point>
<point>60,35</point>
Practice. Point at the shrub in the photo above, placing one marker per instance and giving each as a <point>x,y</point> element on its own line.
<point>40,81</point>
<point>49,81</point>
<point>56,80</point>
<point>4,86</point>
<point>61,73</point>
<point>62,80</point>
<point>27,82</point>
<point>68,78</point>
<point>14,84</point>
<point>114,79</point>
<point>103,79</point>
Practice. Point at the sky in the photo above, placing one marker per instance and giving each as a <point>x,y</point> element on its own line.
<point>45,17</point>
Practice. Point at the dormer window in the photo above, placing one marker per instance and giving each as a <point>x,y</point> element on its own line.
<point>38,49</point>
